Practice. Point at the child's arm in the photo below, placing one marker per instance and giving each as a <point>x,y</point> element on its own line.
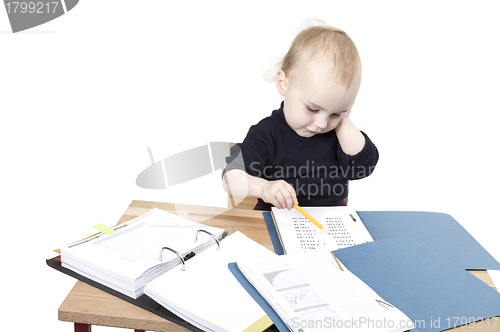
<point>239,184</point>
<point>350,138</point>
<point>359,155</point>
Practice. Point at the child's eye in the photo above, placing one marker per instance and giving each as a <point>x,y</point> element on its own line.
<point>312,110</point>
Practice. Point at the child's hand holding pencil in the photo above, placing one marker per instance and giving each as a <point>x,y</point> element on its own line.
<point>280,194</point>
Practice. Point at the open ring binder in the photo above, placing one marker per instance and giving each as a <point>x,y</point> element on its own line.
<point>204,231</point>
<point>175,252</point>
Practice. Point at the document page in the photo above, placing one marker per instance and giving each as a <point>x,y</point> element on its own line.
<point>130,257</point>
<point>142,241</point>
<point>136,245</point>
<point>299,235</point>
<point>207,295</point>
<point>310,293</point>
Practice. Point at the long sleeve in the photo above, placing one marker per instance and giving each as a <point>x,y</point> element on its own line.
<point>360,165</point>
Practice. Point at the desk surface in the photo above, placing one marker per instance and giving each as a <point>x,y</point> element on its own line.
<point>88,305</point>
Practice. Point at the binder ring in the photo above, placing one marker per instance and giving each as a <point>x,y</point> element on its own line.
<point>204,231</point>
<point>175,252</point>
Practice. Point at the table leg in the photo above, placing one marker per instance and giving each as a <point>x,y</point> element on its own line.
<point>83,327</point>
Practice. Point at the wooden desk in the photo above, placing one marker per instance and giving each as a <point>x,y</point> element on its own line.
<point>86,305</point>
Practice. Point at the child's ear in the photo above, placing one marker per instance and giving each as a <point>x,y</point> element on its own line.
<point>281,82</point>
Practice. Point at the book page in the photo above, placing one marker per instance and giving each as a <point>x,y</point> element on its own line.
<point>207,294</point>
<point>299,235</point>
<point>143,241</point>
<point>118,260</point>
<point>311,293</point>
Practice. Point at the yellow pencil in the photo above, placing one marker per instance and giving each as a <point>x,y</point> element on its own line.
<point>308,216</point>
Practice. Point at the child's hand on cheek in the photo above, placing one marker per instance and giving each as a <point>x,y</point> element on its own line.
<point>346,114</point>
<point>279,193</point>
<point>343,118</point>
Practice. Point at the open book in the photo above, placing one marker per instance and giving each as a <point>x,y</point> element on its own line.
<point>309,292</point>
<point>207,295</point>
<point>134,256</point>
<point>299,235</point>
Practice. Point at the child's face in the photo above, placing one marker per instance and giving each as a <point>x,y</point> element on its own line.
<point>314,100</point>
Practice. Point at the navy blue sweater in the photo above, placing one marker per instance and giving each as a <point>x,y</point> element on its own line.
<point>316,166</point>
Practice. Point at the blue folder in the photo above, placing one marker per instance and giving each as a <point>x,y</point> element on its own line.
<point>428,287</point>
<point>438,230</point>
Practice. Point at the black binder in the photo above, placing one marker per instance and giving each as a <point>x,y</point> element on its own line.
<point>143,301</point>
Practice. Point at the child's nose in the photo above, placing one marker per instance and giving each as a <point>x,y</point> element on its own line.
<point>321,122</point>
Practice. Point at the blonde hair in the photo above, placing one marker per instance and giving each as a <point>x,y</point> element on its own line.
<point>326,43</point>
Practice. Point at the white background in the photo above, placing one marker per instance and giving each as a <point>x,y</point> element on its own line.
<point>83,96</point>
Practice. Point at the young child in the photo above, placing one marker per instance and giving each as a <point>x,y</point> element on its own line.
<point>307,151</point>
